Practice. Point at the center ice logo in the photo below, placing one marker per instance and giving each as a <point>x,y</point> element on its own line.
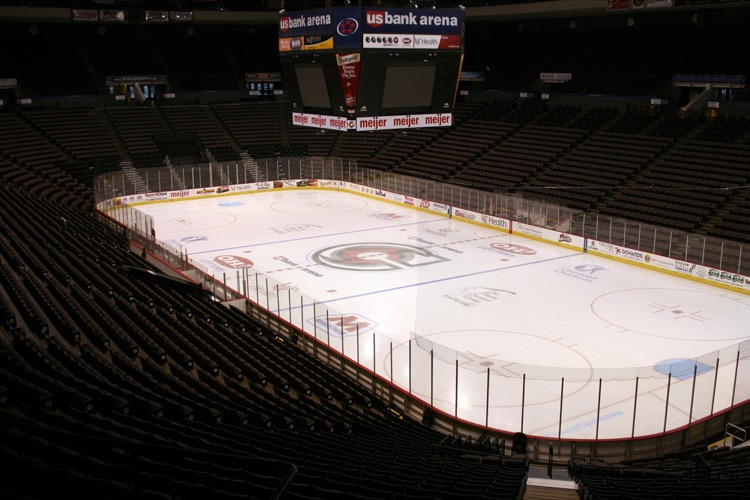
<point>375,257</point>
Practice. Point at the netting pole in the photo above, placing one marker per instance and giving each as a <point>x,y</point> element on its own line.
<point>692,393</point>
<point>301,313</point>
<point>328,330</point>
<point>391,350</point>
<point>635,406</point>
<point>598,409</point>
<point>670,244</point>
<point>639,236</point>
<point>315,321</point>
<point>455,411</point>
<point>487,401</point>
<point>278,301</point>
<point>713,392</point>
<point>341,328</point>
<point>739,260</point>
<point>289,301</point>
<point>666,402</point>
<point>559,420</point>
<point>736,369</point>
<point>410,367</point>
<point>432,377</point>
<point>523,398</point>
<point>583,224</point>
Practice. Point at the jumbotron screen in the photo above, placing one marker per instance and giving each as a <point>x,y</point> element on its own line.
<point>408,86</point>
<point>312,86</point>
<point>358,68</point>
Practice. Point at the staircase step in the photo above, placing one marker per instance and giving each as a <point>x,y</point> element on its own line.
<point>559,484</point>
<point>535,492</point>
<point>550,484</point>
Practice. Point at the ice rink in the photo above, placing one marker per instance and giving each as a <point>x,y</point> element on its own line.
<point>487,326</point>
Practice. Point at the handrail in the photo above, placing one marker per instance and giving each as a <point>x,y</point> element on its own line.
<point>735,436</point>
<point>703,462</point>
<point>550,460</point>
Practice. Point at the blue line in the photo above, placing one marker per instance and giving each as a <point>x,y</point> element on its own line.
<point>278,242</point>
<point>447,279</point>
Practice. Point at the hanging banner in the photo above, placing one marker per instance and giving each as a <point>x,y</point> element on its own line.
<point>311,22</point>
<point>385,21</point>
<point>308,30</point>
<point>349,74</point>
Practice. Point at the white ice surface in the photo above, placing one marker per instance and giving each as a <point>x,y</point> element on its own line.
<point>506,303</point>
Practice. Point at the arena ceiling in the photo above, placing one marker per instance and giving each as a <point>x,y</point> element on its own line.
<point>265,11</point>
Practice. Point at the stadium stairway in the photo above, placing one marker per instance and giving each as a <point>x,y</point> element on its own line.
<point>541,486</point>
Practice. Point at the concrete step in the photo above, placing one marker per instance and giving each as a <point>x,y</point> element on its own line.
<point>540,486</point>
<point>536,492</point>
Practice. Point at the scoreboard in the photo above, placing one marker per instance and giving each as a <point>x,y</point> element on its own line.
<point>361,68</point>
